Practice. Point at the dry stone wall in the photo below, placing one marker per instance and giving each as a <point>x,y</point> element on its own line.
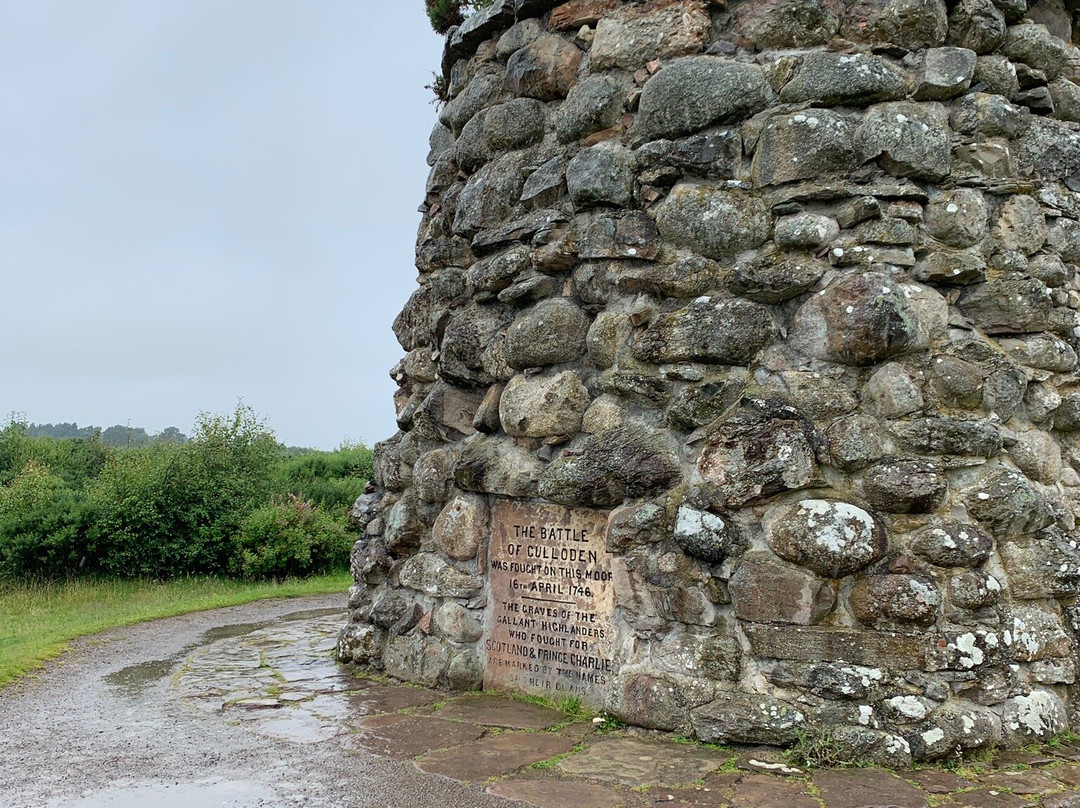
<point>740,392</point>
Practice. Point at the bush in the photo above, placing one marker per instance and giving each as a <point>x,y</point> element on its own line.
<point>332,480</point>
<point>42,525</point>
<point>174,509</point>
<point>73,461</point>
<point>74,506</point>
<point>290,537</point>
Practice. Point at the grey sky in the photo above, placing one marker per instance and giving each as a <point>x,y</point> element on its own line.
<point>203,200</point>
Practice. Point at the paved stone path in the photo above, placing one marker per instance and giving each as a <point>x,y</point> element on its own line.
<point>277,680</point>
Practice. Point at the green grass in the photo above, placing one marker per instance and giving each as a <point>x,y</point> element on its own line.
<point>37,621</point>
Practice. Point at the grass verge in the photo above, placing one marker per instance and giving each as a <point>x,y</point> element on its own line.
<point>37,621</point>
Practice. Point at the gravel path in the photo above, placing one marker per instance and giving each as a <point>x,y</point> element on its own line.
<point>174,713</point>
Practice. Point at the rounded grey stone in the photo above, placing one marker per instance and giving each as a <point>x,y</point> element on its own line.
<point>601,175</point>
<point>895,598</point>
<point>906,139</point>
<point>905,486</point>
<point>976,24</point>
<point>953,544</point>
<point>842,79</point>
<point>513,125</point>
<point>593,104</point>
<point>834,539</point>
<point>803,145</point>
<point>715,222</point>
<point>698,91</point>
<point>705,535</point>
<point>549,333</point>
<point>542,406</point>
<point>957,217</point>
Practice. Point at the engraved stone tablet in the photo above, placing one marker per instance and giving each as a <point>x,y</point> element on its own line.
<point>548,623</point>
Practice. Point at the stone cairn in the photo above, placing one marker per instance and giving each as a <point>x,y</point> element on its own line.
<point>785,291</point>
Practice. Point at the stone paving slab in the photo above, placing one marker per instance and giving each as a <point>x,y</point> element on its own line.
<point>1068,774</point>
<point>984,798</point>
<point>296,726</point>
<point>496,711</point>
<point>1020,759</point>
<point>1064,799</point>
<point>495,756</point>
<point>936,781</point>
<point>403,737</point>
<point>639,762</point>
<point>1029,782</point>
<point>390,699</point>
<point>767,791</point>
<point>715,792</point>
<point>858,788</point>
<point>558,793</point>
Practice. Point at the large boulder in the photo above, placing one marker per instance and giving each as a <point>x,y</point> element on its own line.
<point>490,465</point>
<point>957,217</point>
<point>911,24</point>
<point>944,73</point>
<point>427,573</point>
<point>953,544</point>
<point>461,526</point>
<point>788,23</point>
<point>905,486</point>
<point>601,175</point>
<point>705,535</point>
<point>748,718</point>
<point>906,139</point>
<point>977,25</point>
<point>895,599</point>
<point>1007,504</point>
<point>594,104</point>
<point>764,590</point>
<point>842,79</point>
<point>550,333</point>
<point>545,69</point>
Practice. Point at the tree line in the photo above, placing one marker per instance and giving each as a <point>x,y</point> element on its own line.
<point>117,435</point>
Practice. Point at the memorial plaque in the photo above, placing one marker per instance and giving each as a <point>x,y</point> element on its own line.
<point>549,617</point>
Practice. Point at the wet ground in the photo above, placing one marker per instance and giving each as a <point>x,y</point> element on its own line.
<point>246,707</point>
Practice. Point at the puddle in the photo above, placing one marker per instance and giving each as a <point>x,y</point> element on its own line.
<point>231,630</point>
<point>310,614</point>
<point>134,679</point>
<point>226,795</point>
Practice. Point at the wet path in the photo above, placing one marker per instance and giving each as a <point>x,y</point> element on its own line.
<point>238,708</point>
<point>246,707</point>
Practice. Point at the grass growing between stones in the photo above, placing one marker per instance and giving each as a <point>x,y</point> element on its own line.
<point>816,748</point>
<point>37,621</point>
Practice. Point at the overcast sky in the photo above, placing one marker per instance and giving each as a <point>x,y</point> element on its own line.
<point>209,200</point>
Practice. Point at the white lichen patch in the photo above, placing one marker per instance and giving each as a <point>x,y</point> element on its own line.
<point>970,654</point>
<point>933,736</point>
<point>908,706</point>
